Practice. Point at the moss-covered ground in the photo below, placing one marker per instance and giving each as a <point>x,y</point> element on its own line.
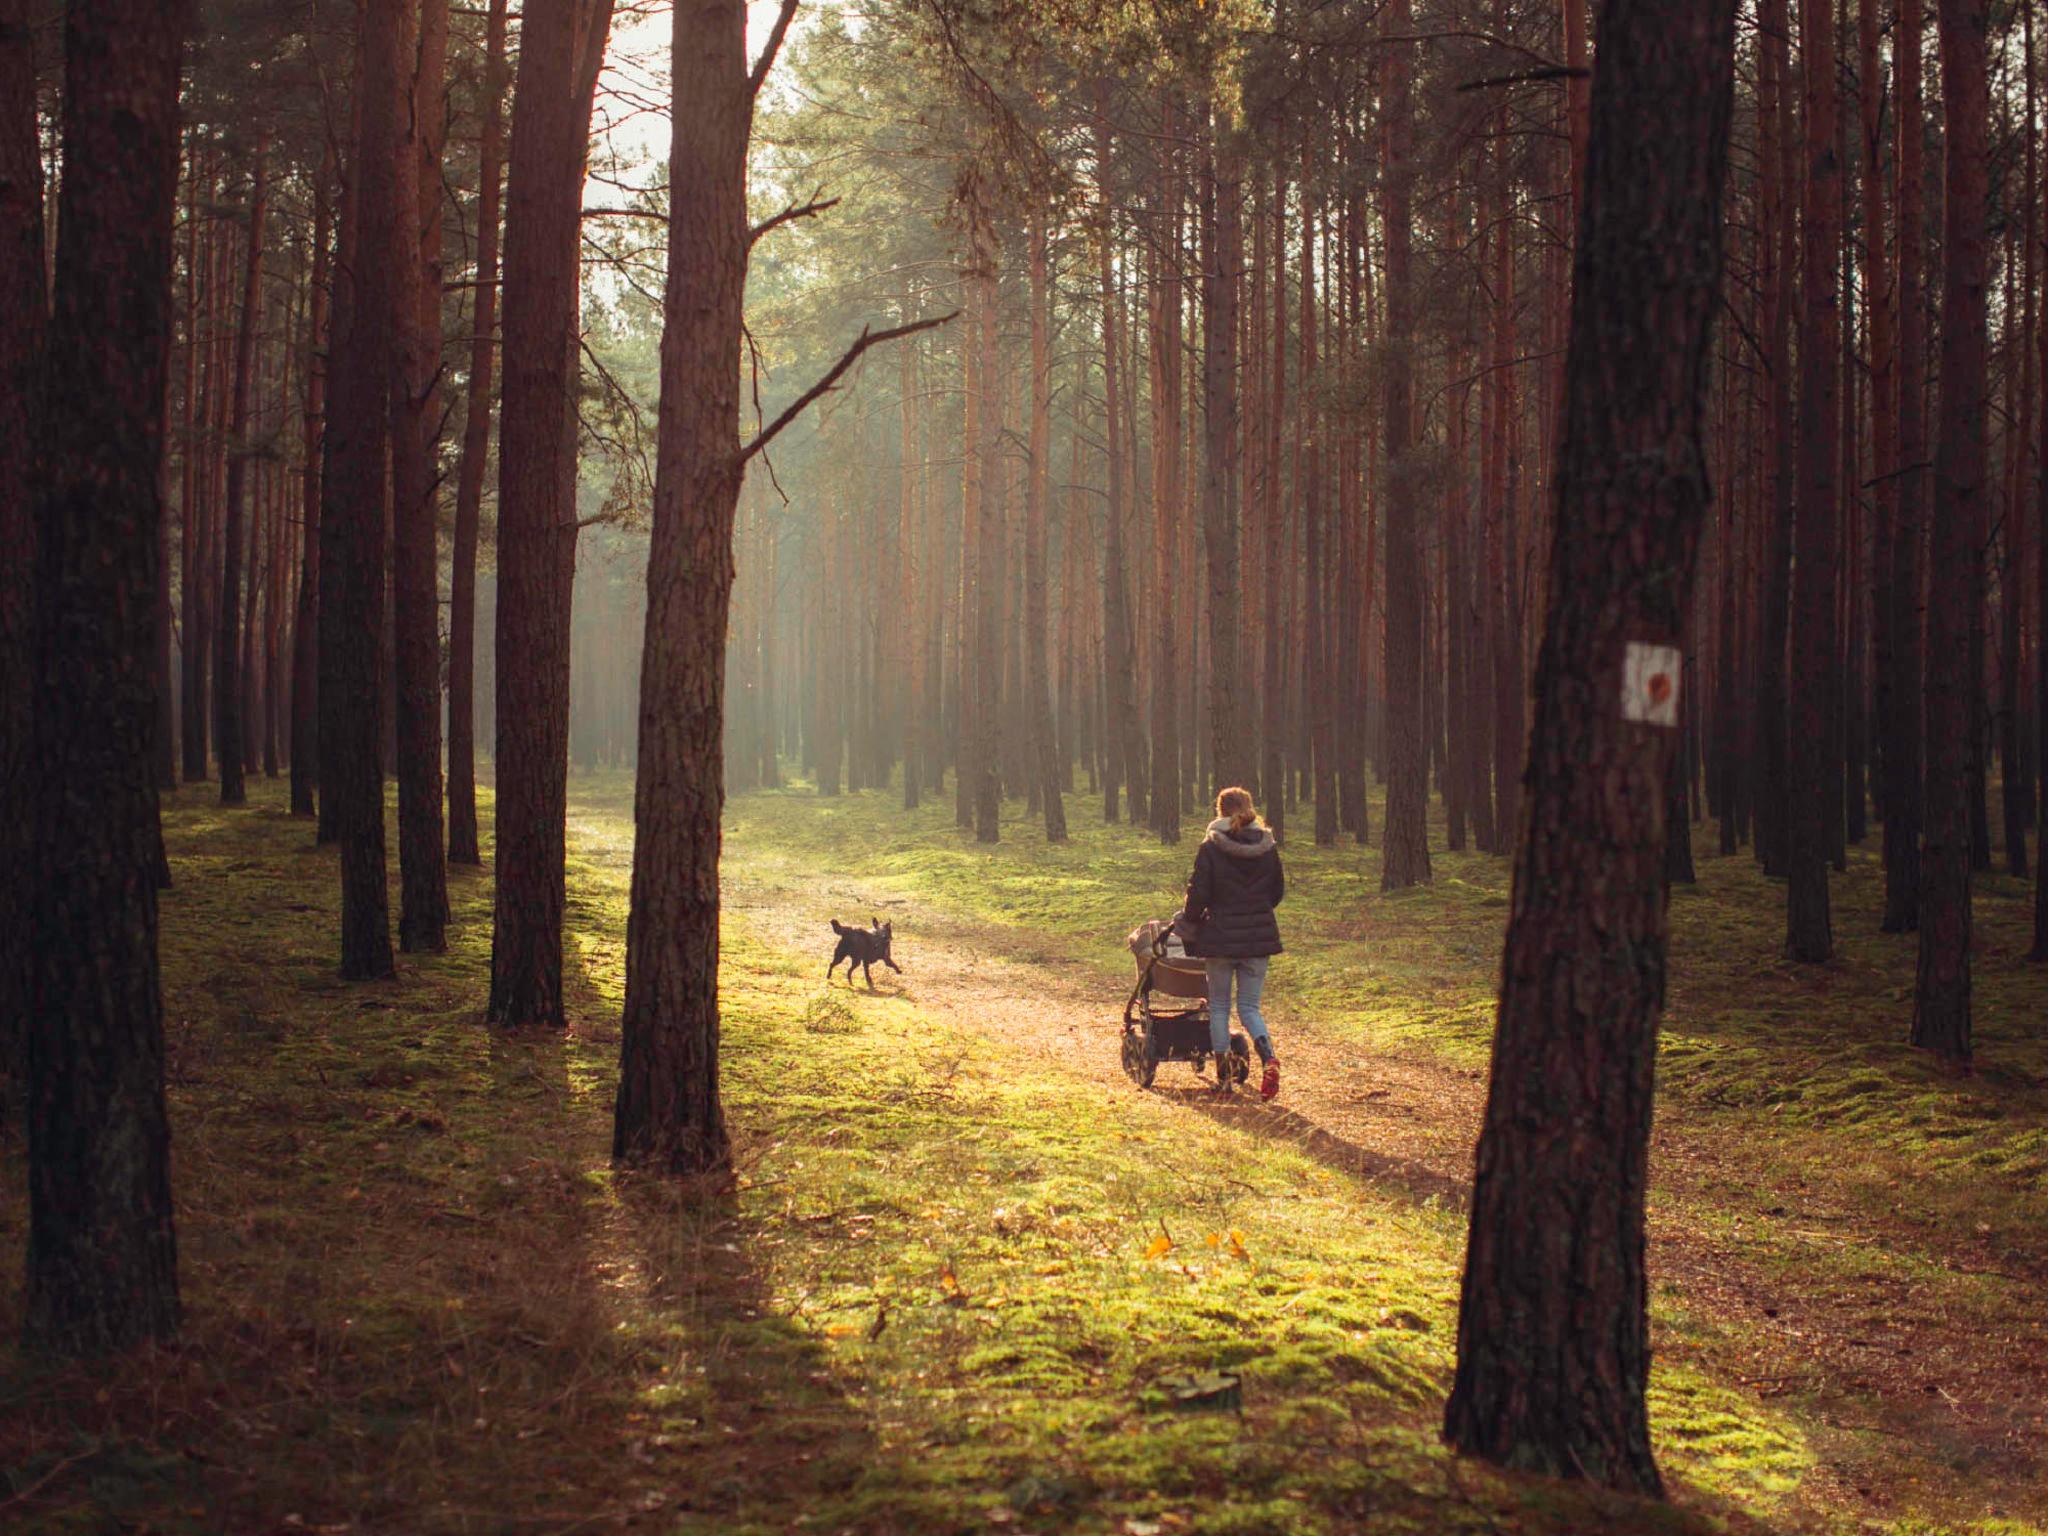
<point>965,1274</point>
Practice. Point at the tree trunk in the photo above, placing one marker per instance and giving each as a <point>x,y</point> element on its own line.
<point>1503,619</point>
<point>1273,564</point>
<point>1779,170</point>
<point>1816,680</point>
<point>476,450</point>
<point>305,738</point>
<point>1321,755</point>
<point>2039,952</point>
<point>1231,759</point>
<point>1941,1002</point>
<point>191,589</point>
<point>1884,372</point>
<point>912,556</point>
<point>1119,663</point>
<point>360,375</point>
<point>228,722</point>
<point>415,420</point>
<point>334,534</point>
<point>164,742</point>
<point>24,318</point>
<point>102,1256</point>
<point>668,1114</point>
<point>2016,771</point>
<point>1037,665</point>
<point>1553,1328</point>
<point>984,683</point>
<point>1162,350</point>
<point>561,45</point>
<point>1407,845</point>
<point>1904,744</point>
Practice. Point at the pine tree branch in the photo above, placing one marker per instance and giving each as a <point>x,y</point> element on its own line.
<point>867,338</point>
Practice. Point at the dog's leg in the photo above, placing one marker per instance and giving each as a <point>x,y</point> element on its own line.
<point>867,971</point>
<point>892,965</point>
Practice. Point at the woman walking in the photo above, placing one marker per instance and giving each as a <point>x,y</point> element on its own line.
<point>1231,896</point>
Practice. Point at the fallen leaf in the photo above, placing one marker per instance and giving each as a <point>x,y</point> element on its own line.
<point>1159,1247</point>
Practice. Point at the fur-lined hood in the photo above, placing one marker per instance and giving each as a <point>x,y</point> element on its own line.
<point>1249,844</point>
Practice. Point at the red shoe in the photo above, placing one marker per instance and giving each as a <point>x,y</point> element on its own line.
<point>1269,1085</point>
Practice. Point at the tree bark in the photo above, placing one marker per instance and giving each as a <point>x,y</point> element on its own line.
<point>668,1114</point>
<point>361,373</point>
<point>913,554</point>
<point>415,418</point>
<point>983,684</point>
<point>102,1255</point>
<point>1904,743</point>
<point>1941,1002</point>
<point>1553,1335</point>
<point>191,588</point>
<point>476,450</point>
<point>1884,372</point>
<point>1122,753</point>
<point>335,533</point>
<point>1816,682</point>
<point>1037,665</point>
<point>305,728</point>
<point>1273,602</point>
<point>1163,362</point>
<point>2016,769</point>
<point>1308,472</point>
<point>1231,759</point>
<point>2039,952</point>
<point>1779,169</point>
<point>228,722</point>
<point>561,45</point>
<point>24,319</point>
<point>1503,618</point>
<point>1406,859</point>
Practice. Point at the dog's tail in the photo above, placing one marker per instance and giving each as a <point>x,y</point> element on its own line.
<point>838,928</point>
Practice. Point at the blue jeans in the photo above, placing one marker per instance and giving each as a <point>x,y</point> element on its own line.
<point>1250,977</point>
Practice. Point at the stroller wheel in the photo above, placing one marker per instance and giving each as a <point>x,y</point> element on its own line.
<point>1137,1057</point>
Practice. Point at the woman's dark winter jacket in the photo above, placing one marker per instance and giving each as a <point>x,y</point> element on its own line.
<point>1231,895</point>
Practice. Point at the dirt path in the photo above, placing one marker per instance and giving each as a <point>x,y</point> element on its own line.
<point>1911,1404</point>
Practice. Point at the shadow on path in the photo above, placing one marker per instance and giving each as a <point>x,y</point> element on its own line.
<point>1276,1122</point>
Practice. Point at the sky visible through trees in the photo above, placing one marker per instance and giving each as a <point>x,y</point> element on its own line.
<point>595,489</point>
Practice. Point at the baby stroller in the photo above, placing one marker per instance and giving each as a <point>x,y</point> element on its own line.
<point>1167,1016</point>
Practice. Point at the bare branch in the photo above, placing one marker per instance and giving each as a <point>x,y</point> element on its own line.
<point>766,62</point>
<point>794,211</point>
<point>1528,77</point>
<point>867,338</point>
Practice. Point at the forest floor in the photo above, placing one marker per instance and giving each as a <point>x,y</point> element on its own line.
<point>967,1268</point>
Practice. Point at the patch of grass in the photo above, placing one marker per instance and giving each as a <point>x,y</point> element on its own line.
<point>1753,1044</point>
<point>935,1298</point>
<point>1795,1125</point>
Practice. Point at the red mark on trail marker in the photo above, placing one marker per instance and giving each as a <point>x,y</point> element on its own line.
<point>1649,684</point>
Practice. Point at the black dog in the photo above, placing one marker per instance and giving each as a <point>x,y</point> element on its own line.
<point>863,947</point>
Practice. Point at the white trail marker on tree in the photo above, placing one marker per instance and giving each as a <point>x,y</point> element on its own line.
<point>1649,684</point>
